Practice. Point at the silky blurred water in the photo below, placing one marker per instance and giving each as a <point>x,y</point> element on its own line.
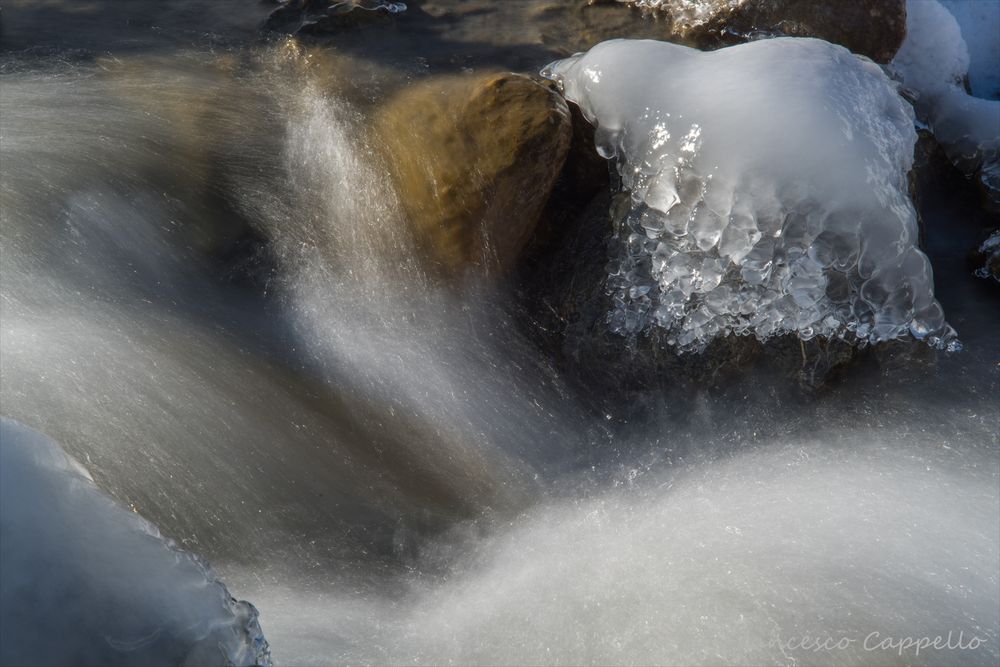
<point>392,470</point>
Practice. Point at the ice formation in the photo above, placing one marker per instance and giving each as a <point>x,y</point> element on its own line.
<point>85,581</point>
<point>933,63</point>
<point>768,192</point>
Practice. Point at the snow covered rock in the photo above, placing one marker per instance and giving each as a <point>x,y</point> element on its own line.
<point>84,581</point>
<point>768,192</point>
<point>979,22</point>
<point>933,64</point>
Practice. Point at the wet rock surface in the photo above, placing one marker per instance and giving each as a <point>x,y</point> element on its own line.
<point>475,159</point>
<point>873,28</point>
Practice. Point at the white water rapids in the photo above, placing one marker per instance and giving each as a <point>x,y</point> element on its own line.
<point>390,470</point>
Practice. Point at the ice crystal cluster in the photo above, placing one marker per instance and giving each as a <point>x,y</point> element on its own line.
<point>767,192</point>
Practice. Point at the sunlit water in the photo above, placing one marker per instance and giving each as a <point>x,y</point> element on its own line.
<point>389,469</point>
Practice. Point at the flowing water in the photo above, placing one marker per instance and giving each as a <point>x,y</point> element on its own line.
<point>392,471</point>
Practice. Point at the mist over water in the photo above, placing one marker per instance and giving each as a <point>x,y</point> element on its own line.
<point>390,468</point>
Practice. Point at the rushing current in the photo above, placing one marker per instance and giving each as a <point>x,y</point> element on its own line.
<point>244,423</point>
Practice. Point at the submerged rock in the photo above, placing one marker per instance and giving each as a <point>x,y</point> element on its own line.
<point>474,159</point>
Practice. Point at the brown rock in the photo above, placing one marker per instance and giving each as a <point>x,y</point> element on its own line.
<point>873,28</point>
<point>474,159</point>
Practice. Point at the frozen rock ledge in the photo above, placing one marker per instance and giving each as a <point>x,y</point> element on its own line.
<point>84,581</point>
<point>767,192</point>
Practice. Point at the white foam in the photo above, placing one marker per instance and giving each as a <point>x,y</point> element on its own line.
<point>739,561</point>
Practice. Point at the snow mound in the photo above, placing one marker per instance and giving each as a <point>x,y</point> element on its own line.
<point>768,191</point>
<point>84,581</point>
<point>980,25</point>
<point>933,63</point>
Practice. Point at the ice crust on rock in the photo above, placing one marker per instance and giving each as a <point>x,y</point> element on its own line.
<point>932,64</point>
<point>767,192</point>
